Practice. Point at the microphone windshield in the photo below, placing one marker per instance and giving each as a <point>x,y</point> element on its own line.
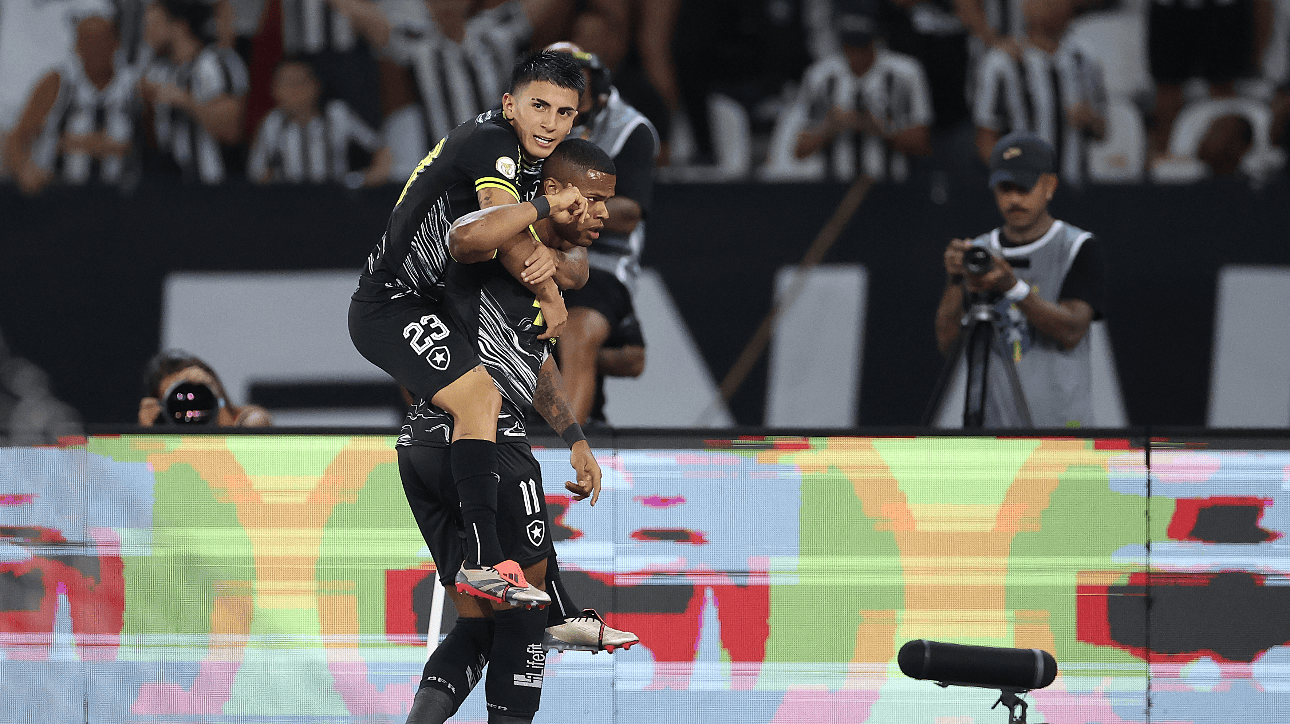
<point>984,666</point>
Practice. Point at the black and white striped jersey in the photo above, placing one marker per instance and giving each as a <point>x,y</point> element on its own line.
<point>315,152</point>
<point>82,109</point>
<point>894,90</point>
<point>1034,93</point>
<point>457,81</point>
<point>412,255</point>
<point>430,426</point>
<point>215,71</point>
<point>314,26</point>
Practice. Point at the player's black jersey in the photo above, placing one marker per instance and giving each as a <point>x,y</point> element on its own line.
<point>412,255</point>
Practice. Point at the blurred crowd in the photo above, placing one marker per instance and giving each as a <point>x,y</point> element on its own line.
<point>355,92</point>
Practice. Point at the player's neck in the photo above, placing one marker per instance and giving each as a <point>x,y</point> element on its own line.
<point>1022,235</point>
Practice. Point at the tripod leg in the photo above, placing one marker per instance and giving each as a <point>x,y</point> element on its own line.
<point>947,375</point>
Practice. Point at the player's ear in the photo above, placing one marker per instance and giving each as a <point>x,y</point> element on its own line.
<point>1050,181</point>
<point>508,106</point>
<point>550,186</point>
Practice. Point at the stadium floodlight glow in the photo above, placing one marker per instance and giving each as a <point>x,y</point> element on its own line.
<point>1011,671</point>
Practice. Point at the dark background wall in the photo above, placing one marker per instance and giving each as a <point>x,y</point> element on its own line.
<point>81,273</point>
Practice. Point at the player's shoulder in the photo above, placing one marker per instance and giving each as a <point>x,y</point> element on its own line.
<point>490,126</point>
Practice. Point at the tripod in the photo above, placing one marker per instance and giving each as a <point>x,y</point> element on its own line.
<point>976,338</point>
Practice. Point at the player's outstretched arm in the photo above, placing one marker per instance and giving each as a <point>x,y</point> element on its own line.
<point>476,236</point>
<point>551,404</point>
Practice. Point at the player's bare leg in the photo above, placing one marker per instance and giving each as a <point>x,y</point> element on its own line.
<point>474,403</point>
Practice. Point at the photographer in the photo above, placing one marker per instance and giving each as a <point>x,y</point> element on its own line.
<point>182,389</point>
<point>1044,279</point>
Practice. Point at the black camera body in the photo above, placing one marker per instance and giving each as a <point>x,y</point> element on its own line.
<point>190,403</point>
<point>978,260</point>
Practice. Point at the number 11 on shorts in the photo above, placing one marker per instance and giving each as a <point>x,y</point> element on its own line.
<point>528,490</point>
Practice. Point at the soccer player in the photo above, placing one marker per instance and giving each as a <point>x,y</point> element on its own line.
<point>489,303</point>
<point>397,318</point>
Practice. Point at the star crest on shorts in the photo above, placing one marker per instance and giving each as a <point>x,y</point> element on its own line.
<point>439,358</point>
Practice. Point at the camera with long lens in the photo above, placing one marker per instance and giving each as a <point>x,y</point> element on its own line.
<point>978,260</point>
<point>190,403</point>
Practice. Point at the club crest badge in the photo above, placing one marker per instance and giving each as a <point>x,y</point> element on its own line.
<point>537,532</point>
<point>506,166</point>
<point>439,357</point>
<point>1008,155</point>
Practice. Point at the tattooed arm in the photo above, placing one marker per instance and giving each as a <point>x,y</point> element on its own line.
<point>550,403</point>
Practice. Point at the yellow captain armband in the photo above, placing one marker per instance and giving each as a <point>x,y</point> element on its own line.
<point>493,182</point>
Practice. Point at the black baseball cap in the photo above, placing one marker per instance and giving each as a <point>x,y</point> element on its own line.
<point>1021,158</point>
<point>856,22</point>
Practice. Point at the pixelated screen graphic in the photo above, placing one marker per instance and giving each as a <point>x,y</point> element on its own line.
<point>281,578</point>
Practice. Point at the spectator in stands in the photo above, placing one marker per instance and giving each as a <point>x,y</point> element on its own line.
<point>299,142</point>
<point>937,33</point>
<point>1053,89</point>
<point>181,388</point>
<point>196,91</point>
<point>1226,142</point>
<point>868,105</point>
<point>338,38</point>
<point>747,51</point>
<point>1218,41</point>
<point>633,38</point>
<point>36,37</point>
<point>78,125</point>
<point>1219,136</point>
<point>457,60</point>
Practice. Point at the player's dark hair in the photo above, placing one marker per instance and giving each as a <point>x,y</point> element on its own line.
<point>559,69</point>
<point>168,362</point>
<point>581,155</point>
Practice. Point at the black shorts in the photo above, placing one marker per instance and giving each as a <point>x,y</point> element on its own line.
<point>415,341</point>
<point>607,295</point>
<point>1214,41</point>
<point>522,524</point>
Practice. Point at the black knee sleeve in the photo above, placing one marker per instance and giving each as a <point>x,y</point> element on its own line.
<point>458,663</point>
<point>474,469</point>
<point>562,605</point>
<point>516,663</point>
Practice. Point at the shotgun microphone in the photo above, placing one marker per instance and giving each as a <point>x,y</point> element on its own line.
<point>982,666</point>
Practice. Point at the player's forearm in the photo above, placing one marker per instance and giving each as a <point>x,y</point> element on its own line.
<point>549,400</point>
<point>571,268</point>
<point>949,317</point>
<point>477,235</point>
<point>1066,322</point>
